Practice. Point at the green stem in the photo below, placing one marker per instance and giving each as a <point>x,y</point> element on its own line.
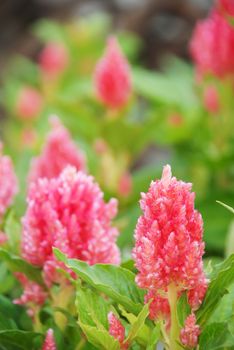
<point>174,330</point>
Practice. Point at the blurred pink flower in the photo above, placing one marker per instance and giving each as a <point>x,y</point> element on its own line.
<point>33,295</point>
<point>49,343</point>
<point>117,330</point>
<point>68,212</point>
<point>58,152</point>
<point>175,119</point>
<point>8,183</point>
<point>226,6</point>
<point>112,78</point>
<point>211,99</point>
<point>190,333</point>
<point>125,185</point>
<point>169,245</point>
<point>212,45</point>
<point>29,103</point>
<point>54,59</point>
<point>3,238</point>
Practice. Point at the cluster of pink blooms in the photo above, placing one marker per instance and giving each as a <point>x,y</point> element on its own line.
<point>29,103</point>
<point>8,183</point>
<point>53,59</point>
<point>68,212</point>
<point>169,246</point>
<point>117,330</point>
<point>190,333</point>
<point>112,77</point>
<point>59,151</point>
<point>212,45</point>
<point>33,295</point>
<point>49,343</point>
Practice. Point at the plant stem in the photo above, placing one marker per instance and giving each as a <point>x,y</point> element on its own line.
<point>174,330</point>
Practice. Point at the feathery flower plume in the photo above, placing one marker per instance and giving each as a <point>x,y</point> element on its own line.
<point>33,295</point>
<point>190,333</point>
<point>169,247</point>
<point>29,103</point>
<point>212,45</point>
<point>49,343</point>
<point>53,59</point>
<point>112,76</point>
<point>8,183</point>
<point>117,330</point>
<point>68,212</point>
<point>59,151</point>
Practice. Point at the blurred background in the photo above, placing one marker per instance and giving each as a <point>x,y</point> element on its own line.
<point>173,115</point>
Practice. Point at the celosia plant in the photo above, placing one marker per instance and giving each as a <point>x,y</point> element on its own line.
<point>169,249</point>
<point>112,77</point>
<point>67,278</point>
<point>58,152</point>
<point>68,212</point>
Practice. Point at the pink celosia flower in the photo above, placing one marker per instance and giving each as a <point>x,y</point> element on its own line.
<point>68,212</point>
<point>190,333</point>
<point>29,103</point>
<point>33,295</point>
<point>226,6</point>
<point>117,330</point>
<point>211,99</point>
<point>3,238</point>
<point>49,343</point>
<point>169,245</point>
<point>53,59</point>
<point>59,151</point>
<point>212,45</point>
<point>112,77</point>
<point>8,183</point>
<point>125,185</point>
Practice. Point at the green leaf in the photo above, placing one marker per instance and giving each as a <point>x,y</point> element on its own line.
<point>154,338</point>
<point>137,325</point>
<point>216,336</point>
<point>183,309</point>
<point>115,281</point>
<point>16,264</point>
<point>222,277</point>
<point>18,340</point>
<point>99,338</point>
<point>226,206</point>
<point>12,229</point>
<point>91,307</point>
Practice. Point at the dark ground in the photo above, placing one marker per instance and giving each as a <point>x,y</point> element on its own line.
<point>164,25</point>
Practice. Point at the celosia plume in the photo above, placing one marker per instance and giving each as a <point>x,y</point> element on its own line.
<point>8,183</point>
<point>68,212</point>
<point>117,330</point>
<point>190,333</point>
<point>112,77</point>
<point>33,294</point>
<point>53,59</point>
<point>49,343</point>
<point>59,151</point>
<point>212,45</point>
<point>29,103</point>
<point>169,247</point>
